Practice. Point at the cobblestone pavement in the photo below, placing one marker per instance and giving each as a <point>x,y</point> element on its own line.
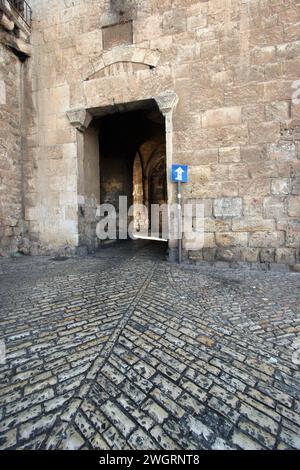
<point>123,350</point>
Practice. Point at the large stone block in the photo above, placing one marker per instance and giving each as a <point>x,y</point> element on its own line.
<point>217,225</point>
<point>285,255</point>
<point>221,117</point>
<point>264,133</point>
<point>227,136</point>
<point>231,239</point>
<point>228,207</point>
<point>256,187</point>
<point>296,186</point>
<point>238,171</point>
<point>274,206</point>
<point>253,113</point>
<point>253,153</point>
<point>278,111</point>
<point>204,157</point>
<point>293,238</point>
<point>174,21</point>
<point>199,173</point>
<point>283,151</point>
<point>263,55</point>
<point>294,206</point>
<point>253,224</point>
<point>267,255</point>
<point>250,255</point>
<point>229,154</point>
<point>281,186</point>
<point>263,170</point>
<point>196,22</point>
<point>266,239</point>
<point>227,189</point>
<point>2,92</point>
<point>253,207</point>
<point>228,254</point>
<point>209,240</point>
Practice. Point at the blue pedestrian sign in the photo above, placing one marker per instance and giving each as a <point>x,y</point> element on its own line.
<point>180,173</point>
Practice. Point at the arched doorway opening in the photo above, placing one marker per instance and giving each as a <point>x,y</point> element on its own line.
<point>132,150</point>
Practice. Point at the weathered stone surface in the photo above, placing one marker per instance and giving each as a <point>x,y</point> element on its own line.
<point>229,154</point>
<point>278,111</point>
<point>231,239</point>
<point>236,125</point>
<point>266,239</point>
<point>282,151</point>
<point>294,206</point>
<point>253,224</point>
<point>221,117</point>
<point>228,207</point>
<point>185,358</point>
<point>281,186</point>
<point>10,152</point>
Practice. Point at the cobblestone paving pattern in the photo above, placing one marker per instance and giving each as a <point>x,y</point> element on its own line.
<point>123,350</point>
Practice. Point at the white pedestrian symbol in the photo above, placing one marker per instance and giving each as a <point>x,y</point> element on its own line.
<point>179,173</point>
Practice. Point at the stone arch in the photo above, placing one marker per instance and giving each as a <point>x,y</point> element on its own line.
<point>157,155</point>
<point>123,59</point>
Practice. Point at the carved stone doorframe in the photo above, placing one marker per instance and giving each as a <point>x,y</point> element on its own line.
<point>166,102</point>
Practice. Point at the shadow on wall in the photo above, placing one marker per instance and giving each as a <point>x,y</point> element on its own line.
<point>125,9</point>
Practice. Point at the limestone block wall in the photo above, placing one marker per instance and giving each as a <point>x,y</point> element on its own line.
<point>10,152</point>
<point>234,66</point>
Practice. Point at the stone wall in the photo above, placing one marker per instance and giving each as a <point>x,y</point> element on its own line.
<point>10,152</point>
<point>233,65</point>
<point>15,118</point>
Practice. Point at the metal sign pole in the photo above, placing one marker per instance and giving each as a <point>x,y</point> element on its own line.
<point>179,196</point>
<point>179,176</point>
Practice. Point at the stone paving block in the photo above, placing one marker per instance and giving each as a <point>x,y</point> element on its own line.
<point>168,387</point>
<point>144,369</point>
<point>244,442</point>
<point>133,392</point>
<point>259,418</point>
<point>290,438</point>
<point>240,391</point>
<point>22,417</point>
<point>167,403</point>
<point>84,426</point>
<point>9,439</point>
<point>37,426</point>
<point>163,439</point>
<point>118,418</point>
<point>115,440</point>
<point>200,379</point>
<point>199,429</point>
<point>221,407</point>
<point>224,395</point>
<point>98,443</point>
<point>73,440</point>
<point>113,374</point>
<point>263,437</point>
<point>139,440</point>
<point>194,390</point>
<point>155,411</point>
<point>95,416</point>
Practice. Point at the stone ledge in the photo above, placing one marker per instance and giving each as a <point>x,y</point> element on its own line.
<point>17,44</point>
